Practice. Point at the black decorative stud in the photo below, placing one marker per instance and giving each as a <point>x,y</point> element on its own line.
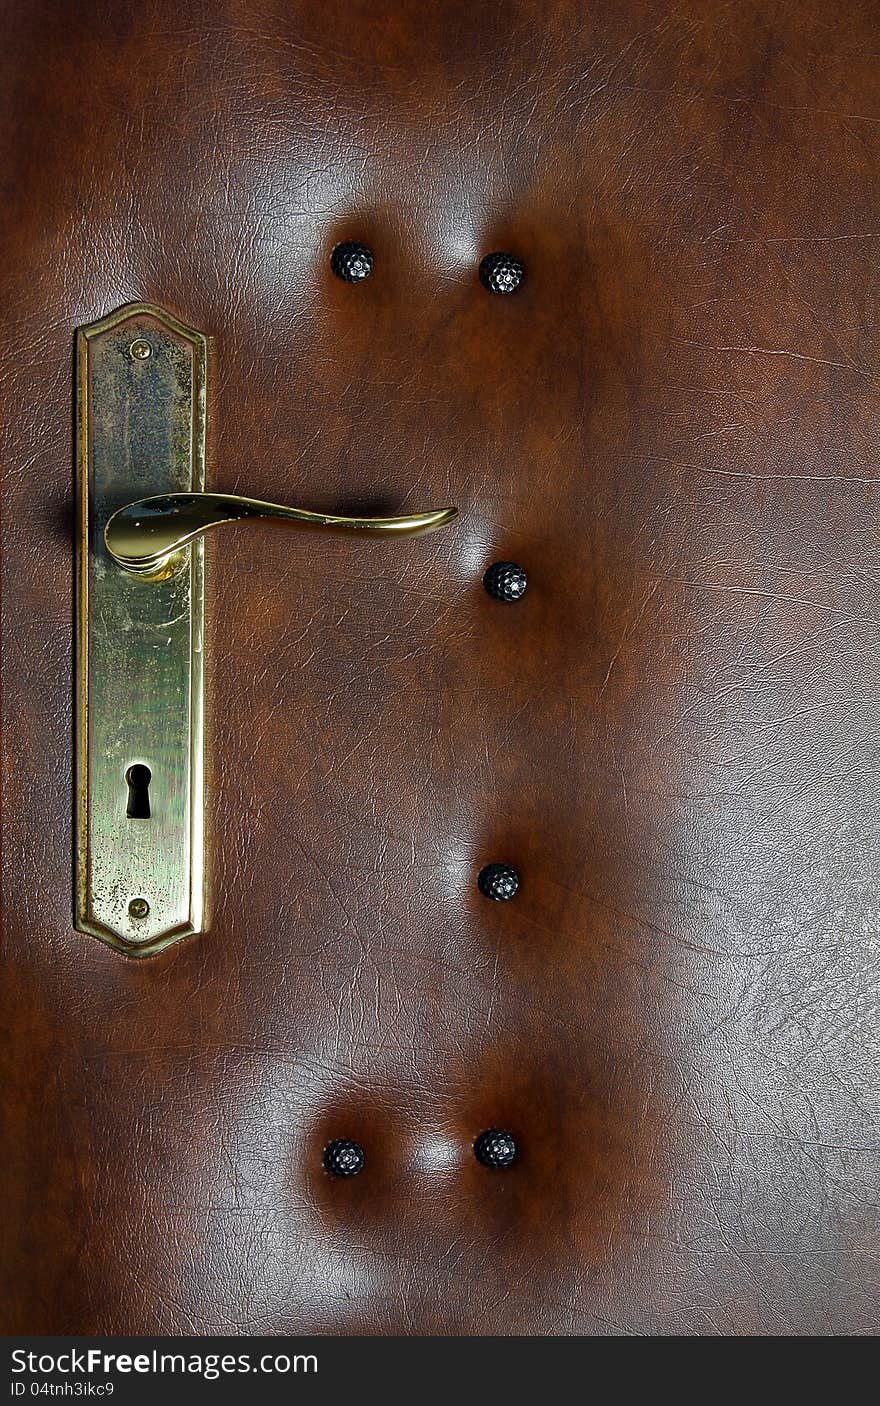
<point>351,261</point>
<point>501,273</point>
<point>343,1158</point>
<point>498,881</point>
<point>505,581</point>
<point>495,1149</point>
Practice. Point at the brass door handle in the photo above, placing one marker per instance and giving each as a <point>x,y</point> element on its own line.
<point>141,423</point>
<point>144,535</point>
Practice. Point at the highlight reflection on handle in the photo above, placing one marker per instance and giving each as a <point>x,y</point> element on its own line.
<point>144,535</point>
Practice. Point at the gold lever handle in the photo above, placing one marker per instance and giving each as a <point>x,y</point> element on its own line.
<point>143,536</point>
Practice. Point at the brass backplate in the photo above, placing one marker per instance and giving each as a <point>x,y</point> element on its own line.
<point>140,842</point>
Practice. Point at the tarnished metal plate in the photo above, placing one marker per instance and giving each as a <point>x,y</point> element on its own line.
<point>141,431</point>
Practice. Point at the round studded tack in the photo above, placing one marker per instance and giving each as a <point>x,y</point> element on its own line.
<point>505,581</point>
<point>498,881</point>
<point>343,1158</point>
<point>501,273</point>
<point>352,261</point>
<point>495,1148</point>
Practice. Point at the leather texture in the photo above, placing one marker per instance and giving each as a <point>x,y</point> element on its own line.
<point>672,425</point>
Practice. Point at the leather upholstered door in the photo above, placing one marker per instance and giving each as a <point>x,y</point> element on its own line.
<point>671,425</point>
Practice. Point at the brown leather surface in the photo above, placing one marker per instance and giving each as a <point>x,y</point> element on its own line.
<point>673,427</point>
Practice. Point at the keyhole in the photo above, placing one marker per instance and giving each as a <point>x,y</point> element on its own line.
<point>138,778</point>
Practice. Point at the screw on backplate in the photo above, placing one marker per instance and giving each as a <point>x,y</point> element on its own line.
<point>140,349</point>
<point>138,908</point>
